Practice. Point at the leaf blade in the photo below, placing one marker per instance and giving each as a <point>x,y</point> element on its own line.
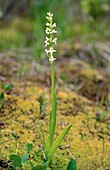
<point>16,160</point>
<point>24,158</point>
<point>58,141</point>
<point>72,164</point>
<point>39,167</point>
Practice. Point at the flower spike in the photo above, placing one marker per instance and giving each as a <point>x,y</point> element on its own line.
<point>50,39</point>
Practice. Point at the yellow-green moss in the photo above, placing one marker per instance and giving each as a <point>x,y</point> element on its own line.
<point>84,140</point>
<point>91,74</point>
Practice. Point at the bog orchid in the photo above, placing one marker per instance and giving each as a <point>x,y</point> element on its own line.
<point>50,39</point>
<point>51,144</point>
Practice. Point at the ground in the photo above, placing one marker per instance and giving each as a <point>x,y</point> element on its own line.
<point>83,99</point>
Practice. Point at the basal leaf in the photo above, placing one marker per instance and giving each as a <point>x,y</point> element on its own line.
<point>16,160</point>
<point>24,158</point>
<point>9,87</point>
<point>39,167</point>
<point>2,96</point>
<point>47,145</point>
<point>28,147</point>
<point>58,141</point>
<point>71,165</point>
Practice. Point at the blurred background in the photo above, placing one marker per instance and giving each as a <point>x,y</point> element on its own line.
<point>22,23</point>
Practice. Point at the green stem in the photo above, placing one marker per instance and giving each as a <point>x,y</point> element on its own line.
<point>52,83</point>
<point>54,105</point>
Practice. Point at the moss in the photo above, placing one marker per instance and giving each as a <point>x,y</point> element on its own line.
<point>91,74</point>
<point>84,140</point>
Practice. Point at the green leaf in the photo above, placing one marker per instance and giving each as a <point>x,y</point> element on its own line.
<point>64,78</point>
<point>9,87</point>
<point>43,136</point>
<point>71,165</point>
<point>82,136</point>
<point>3,85</point>
<point>39,167</point>
<point>102,116</point>
<point>57,142</point>
<point>37,152</point>
<point>47,145</point>
<point>24,158</point>
<point>28,147</point>
<point>16,160</point>
<point>31,165</point>
<point>53,120</point>
<point>102,101</point>
<point>2,96</point>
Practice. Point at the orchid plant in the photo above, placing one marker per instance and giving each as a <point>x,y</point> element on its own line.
<point>50,146</point>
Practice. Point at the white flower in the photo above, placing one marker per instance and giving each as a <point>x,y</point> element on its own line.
<point>52,59</point>
<point>49,14</point>
<point>47,38</point>
<point>53,31</point>
<point>51,51</point>
<point>55,41</point>
<point>47,24</point>
<point>49,18</point>
<point>48,30</point>
<point>46,42</point>
<point>54,25</point>
<point>47,51</point>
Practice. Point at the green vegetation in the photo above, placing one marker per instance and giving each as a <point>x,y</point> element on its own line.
<point>29,31</point>
<point>5,89</point>
<point>57,117</point>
